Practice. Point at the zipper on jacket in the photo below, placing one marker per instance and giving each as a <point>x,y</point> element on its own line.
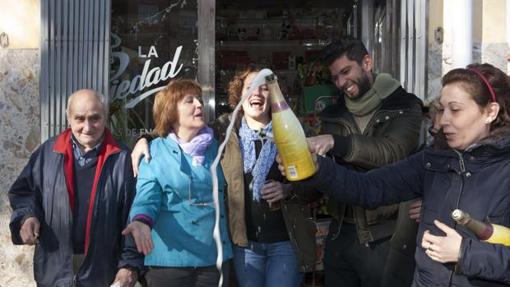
<point>461,161</point>
<point>370,123</point>
<point>462,173</point>
<point>75,275</point>
<point>352,128</point>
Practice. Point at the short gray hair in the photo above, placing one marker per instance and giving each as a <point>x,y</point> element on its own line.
<point>100,97</point>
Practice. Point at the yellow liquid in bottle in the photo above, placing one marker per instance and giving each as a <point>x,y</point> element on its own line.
<point>491,233</point>
<point>501,235</point>
<point>292,146</point>
<point>289,136</point>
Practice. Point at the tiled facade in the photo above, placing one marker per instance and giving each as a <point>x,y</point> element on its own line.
<point>495,54</point>
<point>20,126</point>
<point>434,63</point>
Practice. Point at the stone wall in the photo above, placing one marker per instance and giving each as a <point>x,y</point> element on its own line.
<point>495,54</point>
<point>20,135</point>
<point>434,63</point>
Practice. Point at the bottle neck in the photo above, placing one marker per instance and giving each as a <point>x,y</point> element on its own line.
<point>482,230</point>
<point>278,102</point>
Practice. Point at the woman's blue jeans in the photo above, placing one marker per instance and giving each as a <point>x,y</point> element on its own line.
<point>267,265</point>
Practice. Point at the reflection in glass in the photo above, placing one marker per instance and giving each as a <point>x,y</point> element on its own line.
<point>152,42</point>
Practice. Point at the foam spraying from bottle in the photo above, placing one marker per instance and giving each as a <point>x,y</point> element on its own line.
<point>260,79</point>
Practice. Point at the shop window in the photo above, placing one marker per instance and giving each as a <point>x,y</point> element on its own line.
<point>147,10</point>
<point>152,42</point>
<point>285,38</point>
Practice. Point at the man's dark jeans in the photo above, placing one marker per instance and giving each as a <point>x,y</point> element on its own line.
<point>348,263</point>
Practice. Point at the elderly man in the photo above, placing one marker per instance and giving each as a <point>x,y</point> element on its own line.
<point>72,201</point>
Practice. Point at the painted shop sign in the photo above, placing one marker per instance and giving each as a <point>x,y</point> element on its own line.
<point>150,78</point>
<point>152,42</point>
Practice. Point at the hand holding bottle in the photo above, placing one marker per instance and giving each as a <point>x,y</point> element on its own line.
<point>321,144</point>
<point>274,192</point>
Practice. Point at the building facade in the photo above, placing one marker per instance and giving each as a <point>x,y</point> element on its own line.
<point>128,50</point>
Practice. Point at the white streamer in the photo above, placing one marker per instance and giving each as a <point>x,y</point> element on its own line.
<point>260,79</point>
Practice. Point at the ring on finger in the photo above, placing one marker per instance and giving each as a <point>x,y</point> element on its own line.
<point>430,247</point>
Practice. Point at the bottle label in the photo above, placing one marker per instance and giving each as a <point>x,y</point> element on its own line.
<point>292,171</point>
<point>279,106</point>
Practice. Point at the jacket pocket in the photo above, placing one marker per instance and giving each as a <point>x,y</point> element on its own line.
<point>302,230</point>
<point>381,214</point>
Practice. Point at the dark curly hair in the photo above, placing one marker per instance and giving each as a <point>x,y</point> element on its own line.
<point>235,86</point>
<point>353,48</point>
<point>476,87</point>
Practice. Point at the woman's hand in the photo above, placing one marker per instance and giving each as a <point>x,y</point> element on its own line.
<point>142,234</point>
<point>442,248</point>
<point>125,278</point>
<point>141,149</point>
<point>273,191</point>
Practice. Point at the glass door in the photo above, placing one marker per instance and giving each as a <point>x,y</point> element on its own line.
<point>152,42</point>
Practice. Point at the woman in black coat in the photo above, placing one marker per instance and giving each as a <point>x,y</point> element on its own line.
<point>471,173</point>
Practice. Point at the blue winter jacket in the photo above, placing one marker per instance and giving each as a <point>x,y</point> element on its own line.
<point>476,181</point>
<point>177,197</point>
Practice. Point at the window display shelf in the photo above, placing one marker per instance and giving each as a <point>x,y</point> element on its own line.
<point>273,44</point>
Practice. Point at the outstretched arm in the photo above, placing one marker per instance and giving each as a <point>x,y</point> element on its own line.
<point>145,208</point>
<point>390,184</point>
<point>400,139</point>
<point>484,260</point>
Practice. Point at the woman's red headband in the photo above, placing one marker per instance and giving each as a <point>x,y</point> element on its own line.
<point>484,79</point>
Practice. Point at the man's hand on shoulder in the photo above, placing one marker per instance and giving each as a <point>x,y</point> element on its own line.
<point>29,231</point>
<point>141,149</point>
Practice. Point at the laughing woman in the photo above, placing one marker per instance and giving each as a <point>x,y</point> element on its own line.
<point>174,194</point>
<point>272,246</point>
<point>471,174</point>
